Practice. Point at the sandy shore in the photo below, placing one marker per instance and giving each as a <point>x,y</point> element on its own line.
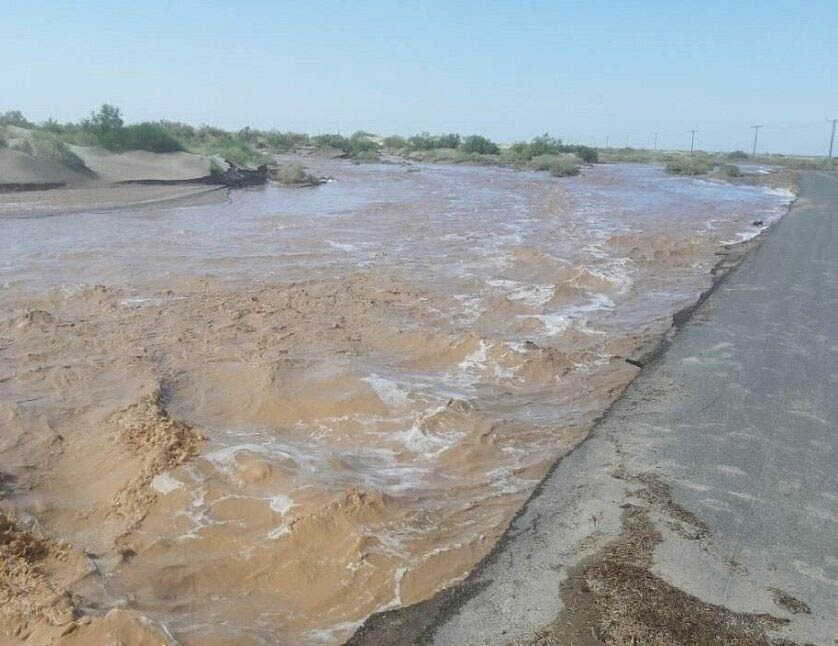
<point>63,201</point>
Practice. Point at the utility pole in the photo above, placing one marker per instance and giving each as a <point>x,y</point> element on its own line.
<point>692,141</point>
<point>606,142</point>
<point>756,132</point>
<point>656,140</point>
<point>831,140</point>
<point>627,140</point>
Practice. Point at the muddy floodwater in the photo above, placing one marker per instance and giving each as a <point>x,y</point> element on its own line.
<point>259,418</point>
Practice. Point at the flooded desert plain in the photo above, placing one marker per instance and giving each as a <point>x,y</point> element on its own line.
<point>259,417</point>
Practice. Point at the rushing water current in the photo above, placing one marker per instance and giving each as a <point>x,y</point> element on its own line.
<point>267,416</point>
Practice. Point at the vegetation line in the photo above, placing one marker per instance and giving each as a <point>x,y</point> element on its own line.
<point>250,147</point>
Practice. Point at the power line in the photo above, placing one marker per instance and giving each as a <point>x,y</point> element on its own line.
<point>756,132</point>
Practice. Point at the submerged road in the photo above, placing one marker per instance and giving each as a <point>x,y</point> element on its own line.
<point>737,419</point>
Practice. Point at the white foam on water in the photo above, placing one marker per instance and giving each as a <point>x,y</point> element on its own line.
<point>472,307</point>
<point>282,504</point>
<point>476,359</point>
<point>388,390</point>
<point>417,440</point>
<point>343,246</point>
<point>279,532</point>
<point>164,484</point>
<point>330,635</point>
<point>534,295</point>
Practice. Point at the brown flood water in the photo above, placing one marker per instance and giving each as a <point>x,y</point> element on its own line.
<point>258,421</point>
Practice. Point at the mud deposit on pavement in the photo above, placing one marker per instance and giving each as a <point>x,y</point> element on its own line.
<point>264,419</point>
<point>614,599</point>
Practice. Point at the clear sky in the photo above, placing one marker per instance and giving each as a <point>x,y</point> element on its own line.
<point>510,70</point>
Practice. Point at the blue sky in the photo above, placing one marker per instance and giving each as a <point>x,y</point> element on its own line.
<point>580,70</point>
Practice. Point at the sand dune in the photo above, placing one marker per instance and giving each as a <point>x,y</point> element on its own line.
<point>143,165</point>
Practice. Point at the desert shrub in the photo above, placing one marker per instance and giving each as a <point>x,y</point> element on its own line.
<point>585,153</point>
<point>365,155</point>
<point>236,151</point>
<point>362,147</point>
<point>24,146</point>
<point>294,174</point>
<point>426,141</point>
<point>248,134</point>
<point>544,145</point>
<point>632,155</point>
<point>565,167</point>
<point>451,140</point>
<point>516,154</point>
<point>422,141</point>
<point>15,118</point>
<point>183,132</point>
<point>557,165</point>
<point>543,162</point>
<point>284,141</point>
<point>49,146</point>
<point>688,165</point>
<point>51,125</point>
<point>146,136</point>
<point>332,141</point>
<point>737,154</point>
<point>107,128</point>
<point>730,170</point>
<point>479,144</point>
<point>104,125</point>
<point>3,142</point>
<point>395,142</point>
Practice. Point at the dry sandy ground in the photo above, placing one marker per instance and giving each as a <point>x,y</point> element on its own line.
<point>104,189</point>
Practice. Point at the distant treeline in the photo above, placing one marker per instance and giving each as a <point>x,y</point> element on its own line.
<point>106,127</point>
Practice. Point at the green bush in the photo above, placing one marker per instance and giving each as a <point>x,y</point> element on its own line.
<point>362,147</point>
<point>332,141</point>
<point>3,142</point>
<point>737,154</point>
<point>730,170</point>
<point>585,153</point>
<point>451,140</point>
<point>285,141</point>
<point>49,146</point>
<point>516,154</point>
<point>426,141</point>
<point>395,142</point>
<point>236,151</point>
<point>557,165</point>
<point>147,136</point>
<point>543,162</point>
<point>365,155</point>
<point>688,165</point>
<point>294,175</point>
<point>565,167</point>
<point>104,125</point>
<point>24,146</point>
<point>478,144</point>
<point>632,155</point>
<point>15,118</point>
<point>544,145</point>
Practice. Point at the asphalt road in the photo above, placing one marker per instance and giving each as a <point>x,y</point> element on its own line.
<point>739,417</point>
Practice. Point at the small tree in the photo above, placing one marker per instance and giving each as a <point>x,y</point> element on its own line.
<point>394,142</point>
<point>478,144</point>
<point>14,118</point>
<point>545,145</point>
<point>451,140</point>
<point>104,123</point>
